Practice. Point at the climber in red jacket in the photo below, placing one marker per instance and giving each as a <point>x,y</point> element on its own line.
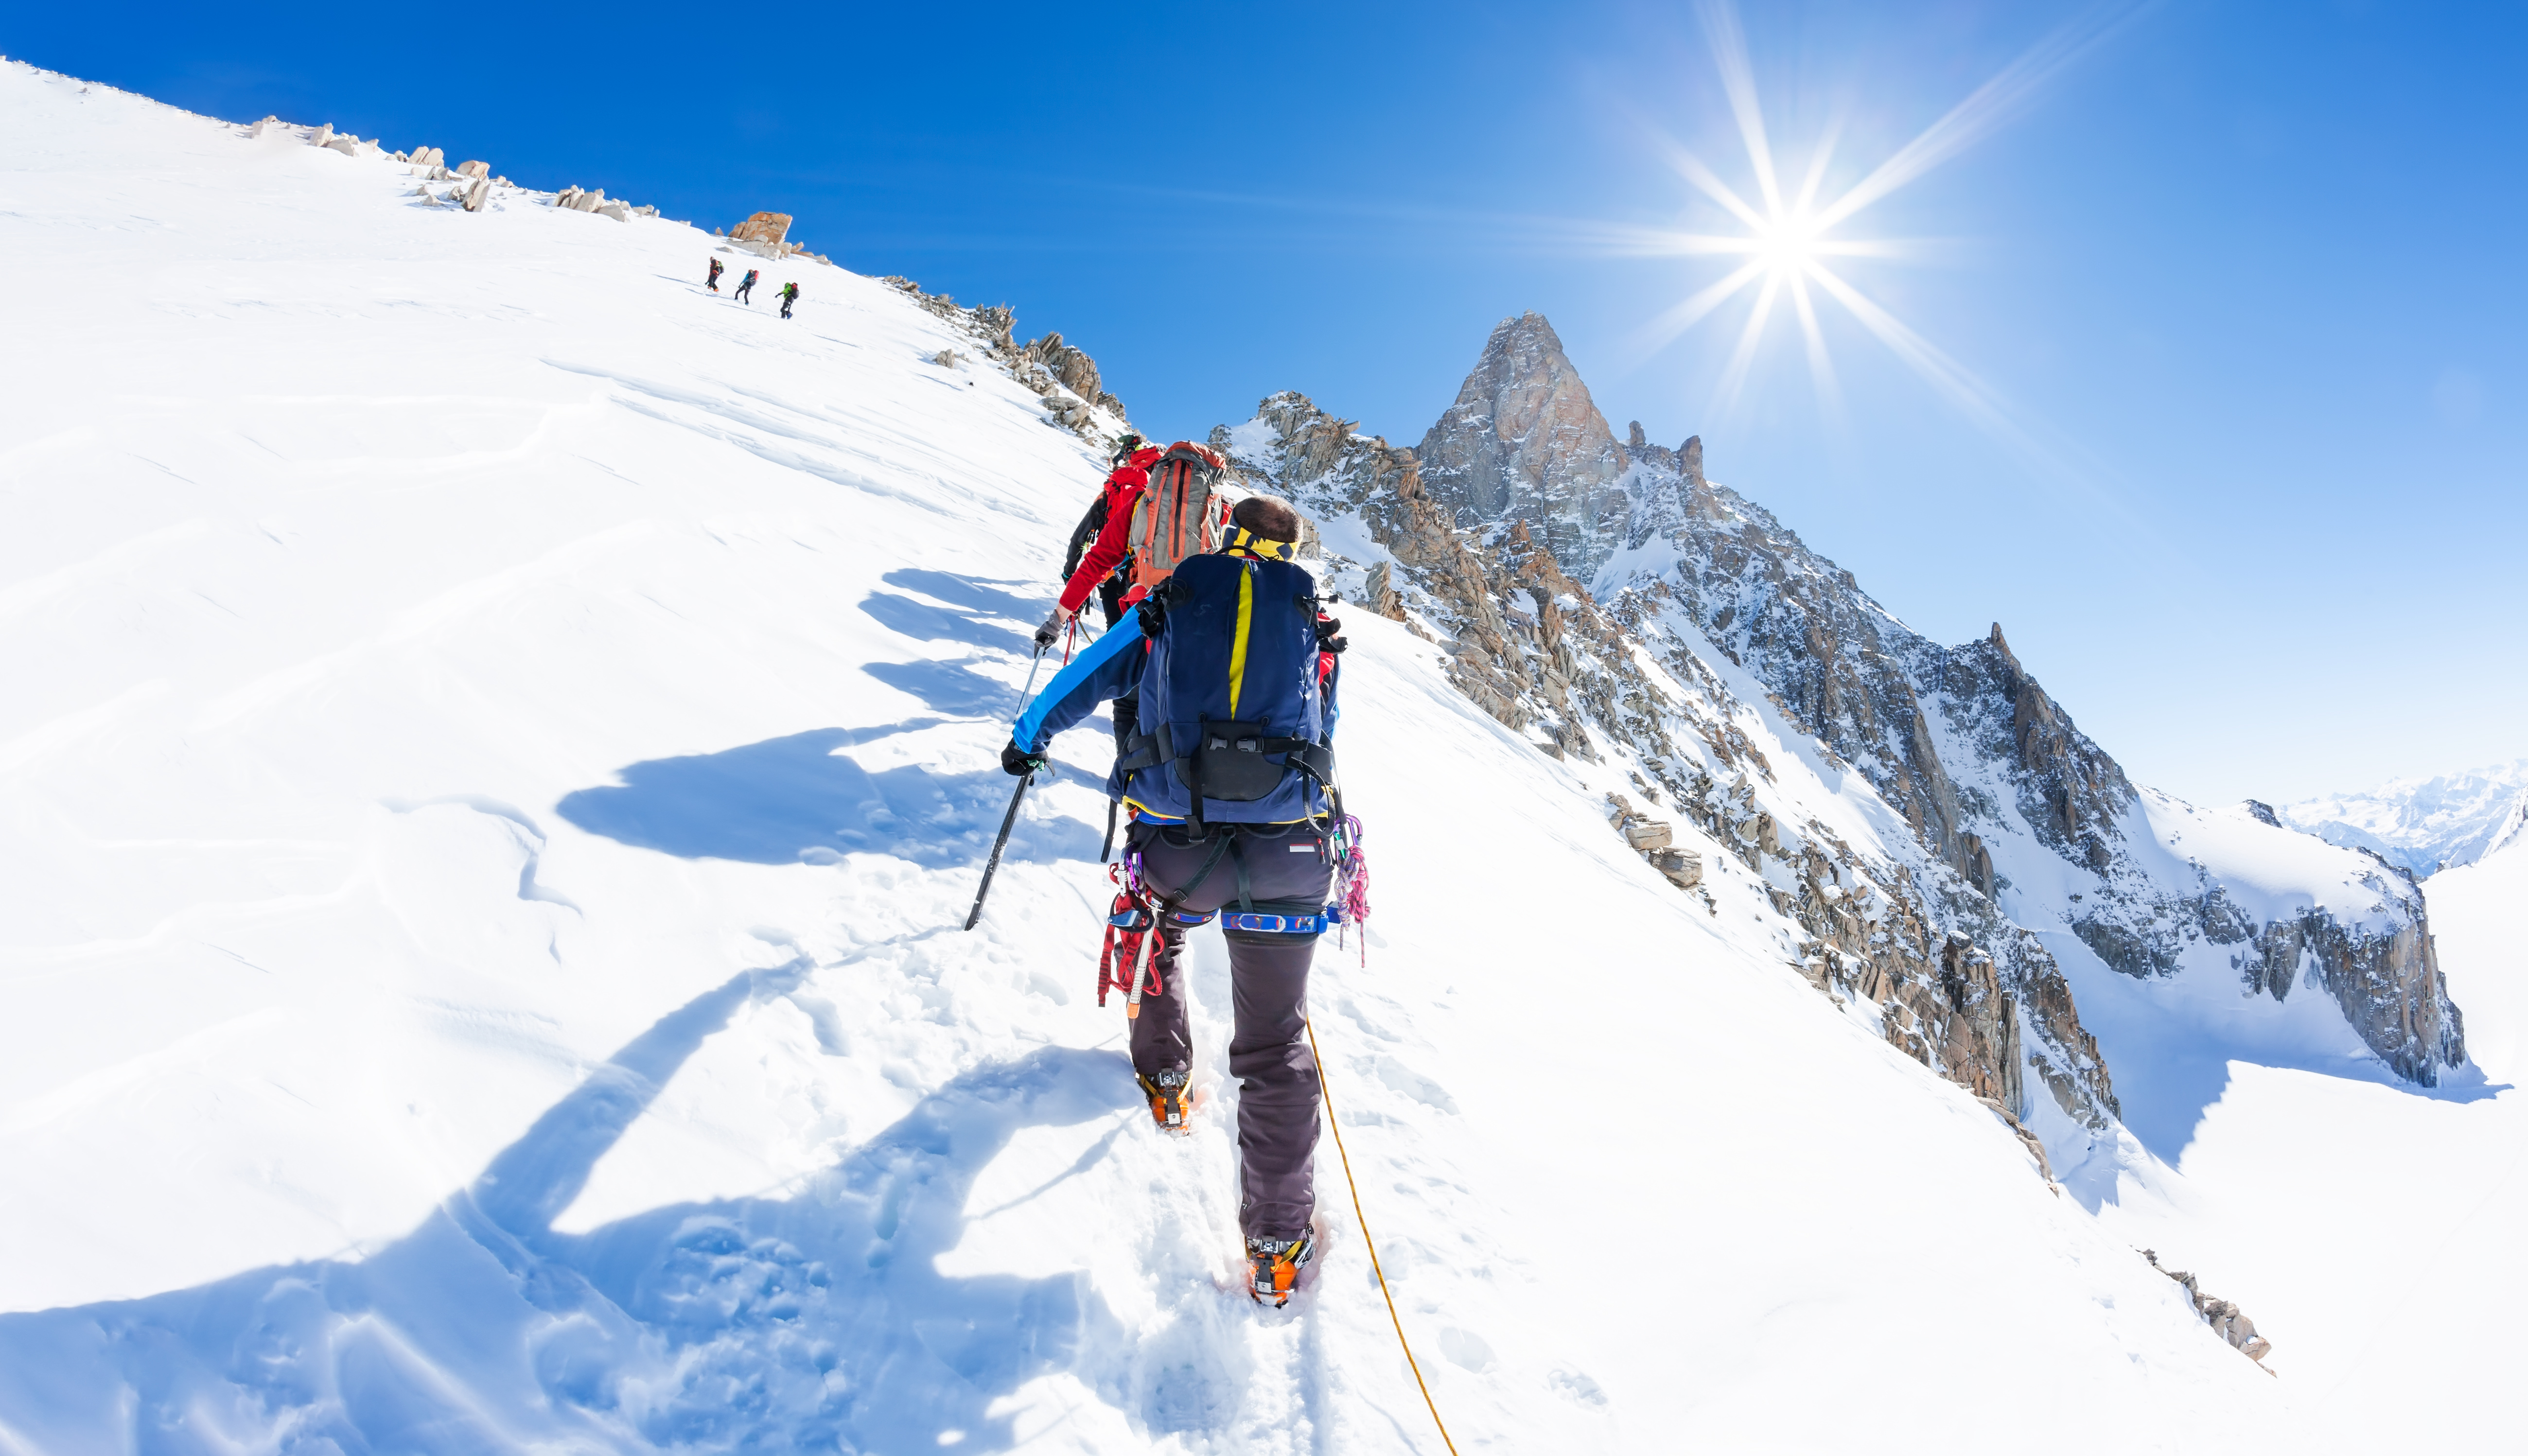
<point>1109,514</point>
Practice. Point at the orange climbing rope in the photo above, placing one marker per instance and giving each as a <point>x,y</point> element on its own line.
<point>1372,1244</point>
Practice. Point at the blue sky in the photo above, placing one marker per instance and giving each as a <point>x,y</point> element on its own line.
<point>2239,286</point>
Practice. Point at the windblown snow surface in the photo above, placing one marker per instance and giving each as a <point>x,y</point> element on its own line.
<point>500,745</point>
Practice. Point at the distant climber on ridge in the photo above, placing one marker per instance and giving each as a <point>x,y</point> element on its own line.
<point>746,286</point>
<point>712,283</point>
<point>788,295</point>
<point>1232,809</point>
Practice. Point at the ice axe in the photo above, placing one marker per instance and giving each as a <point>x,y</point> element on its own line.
<point>1009,819</point>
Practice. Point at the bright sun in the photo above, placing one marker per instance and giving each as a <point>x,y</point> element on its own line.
<point>1789,236</point>
<point>1786,243</point>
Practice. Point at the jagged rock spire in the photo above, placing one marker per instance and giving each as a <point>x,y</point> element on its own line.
<point>1525,442</point>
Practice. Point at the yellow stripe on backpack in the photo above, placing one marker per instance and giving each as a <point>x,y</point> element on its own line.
<point>1237,645</point>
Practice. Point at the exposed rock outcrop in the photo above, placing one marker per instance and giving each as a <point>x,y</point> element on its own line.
<point>2387,978</point>
<point>2227,1319</point>
<point>1049,366</point>
<point>1524,441</point>
<point>474,169</point>
<point>763,227</point>
<point>1073,370</point>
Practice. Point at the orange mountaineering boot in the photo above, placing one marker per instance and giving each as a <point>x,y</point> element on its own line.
<point>1273,1267</point>
<point>1169,1107</point>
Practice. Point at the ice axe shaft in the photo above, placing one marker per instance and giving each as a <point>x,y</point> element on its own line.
<point>993,865</point>
<point>1009,821</point>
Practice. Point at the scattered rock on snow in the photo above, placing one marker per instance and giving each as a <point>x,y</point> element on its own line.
<point>2227,1319</point>
<point>1655,839</point>
<point>474,169</point>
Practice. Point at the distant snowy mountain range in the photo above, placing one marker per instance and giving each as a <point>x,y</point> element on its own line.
<point>2426,825</point>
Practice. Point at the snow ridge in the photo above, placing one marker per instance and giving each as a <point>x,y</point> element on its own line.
<point>2425,825</point>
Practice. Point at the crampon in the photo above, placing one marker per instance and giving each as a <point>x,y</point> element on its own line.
<point>1272,1267</point>
<point>1171,1106</point>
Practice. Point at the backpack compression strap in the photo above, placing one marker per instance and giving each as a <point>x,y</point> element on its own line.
<point>1245,543</point>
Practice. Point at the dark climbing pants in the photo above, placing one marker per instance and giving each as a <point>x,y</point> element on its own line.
<point>785,305</point>
<point>742,291</point>
<point>1279,870</point>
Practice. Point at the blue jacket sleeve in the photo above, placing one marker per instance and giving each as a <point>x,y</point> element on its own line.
<point>1111,667</point>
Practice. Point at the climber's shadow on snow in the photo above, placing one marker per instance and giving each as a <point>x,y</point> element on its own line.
<point>972,610</point>
<point>804,796</point>
<point>817,1320</point>
<point>954,688</point>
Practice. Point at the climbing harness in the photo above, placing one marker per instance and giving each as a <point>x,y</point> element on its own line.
<point>1128,925</point>
<point>1350,903</point>
<point>1133,919</point>
<point>1326,1092</point>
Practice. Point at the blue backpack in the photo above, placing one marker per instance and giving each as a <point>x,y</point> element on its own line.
<point>1234,724</point>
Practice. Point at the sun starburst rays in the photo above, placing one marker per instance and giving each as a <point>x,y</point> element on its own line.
<point>1790,234</point>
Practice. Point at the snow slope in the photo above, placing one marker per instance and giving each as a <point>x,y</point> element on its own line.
<point>2373,1226</point>
<point>2423,823</point>
<point>501,742</point>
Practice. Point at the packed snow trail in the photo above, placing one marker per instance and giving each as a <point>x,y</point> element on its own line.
<point>500,742</point>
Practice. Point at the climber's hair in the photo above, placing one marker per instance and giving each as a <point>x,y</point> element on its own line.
<point>1267,516</point>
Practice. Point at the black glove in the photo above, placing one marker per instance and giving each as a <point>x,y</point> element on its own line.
<point>1327,641</point>
<point>1046,635</point>
<point>1153,611</point>
<point>1017,763</point>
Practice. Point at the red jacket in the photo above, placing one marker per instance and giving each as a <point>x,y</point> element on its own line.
<point>1115,538</point>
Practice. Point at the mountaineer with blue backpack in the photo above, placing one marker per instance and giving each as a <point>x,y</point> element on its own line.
<point>1229,778</point>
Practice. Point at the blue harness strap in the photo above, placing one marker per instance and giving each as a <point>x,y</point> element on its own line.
<point>1254,920</point>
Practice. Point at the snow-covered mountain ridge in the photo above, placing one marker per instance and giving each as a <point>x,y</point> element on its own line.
<point>1988,773</point>
<point>500,742</point>
<point>2425,825</point>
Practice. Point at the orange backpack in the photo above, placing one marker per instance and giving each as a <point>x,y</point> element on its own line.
<point>1180,512</point>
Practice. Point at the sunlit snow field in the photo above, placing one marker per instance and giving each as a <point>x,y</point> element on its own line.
<point>501,742</point>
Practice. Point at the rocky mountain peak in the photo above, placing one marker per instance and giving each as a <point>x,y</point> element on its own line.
<point>2001,645</point>
<point>1983,765</point>
<point>1524,440</point>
